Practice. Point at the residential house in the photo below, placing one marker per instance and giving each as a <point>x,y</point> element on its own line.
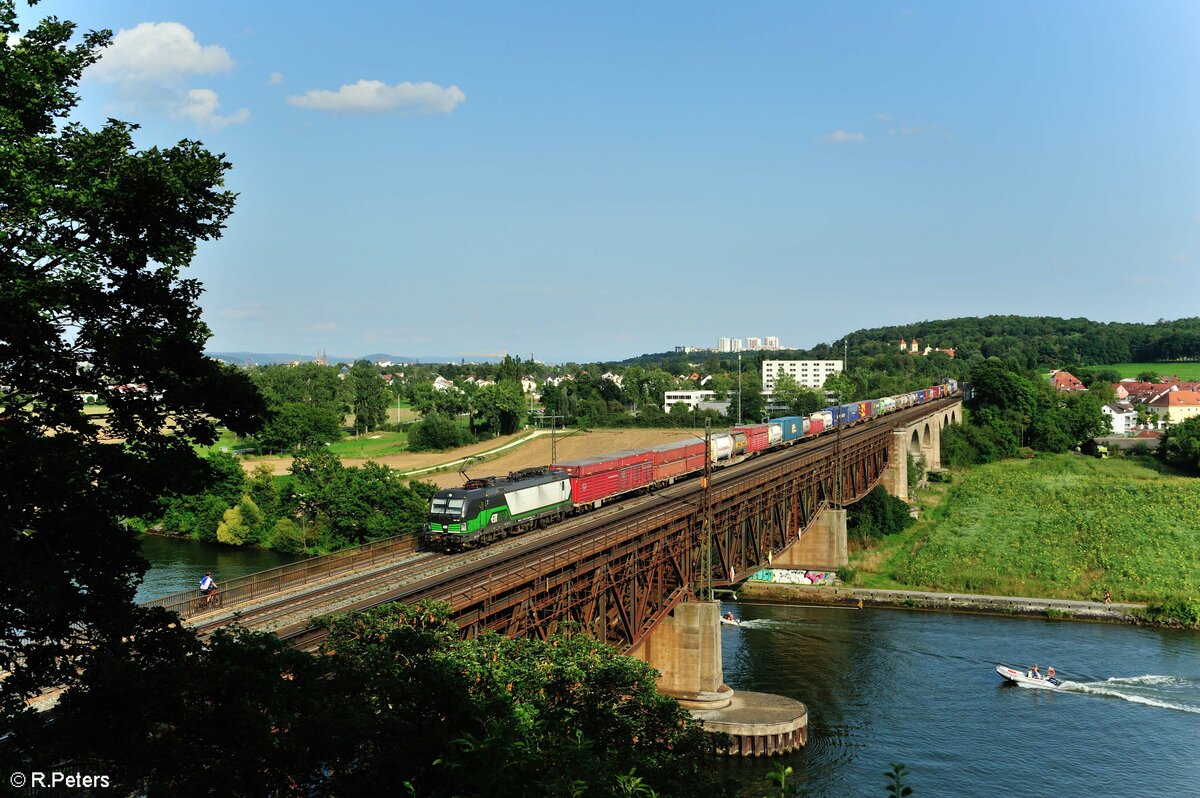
<point>1121,417</point>
<point>1065,381</point>
<point>1173,407</point>
<point>440,383</point>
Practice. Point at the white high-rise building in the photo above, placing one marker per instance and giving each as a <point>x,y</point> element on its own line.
<point>753,343</point>
<point>771,342</point>
<point>736,345</point>
<point>809,373</point>
<point>723,345</point>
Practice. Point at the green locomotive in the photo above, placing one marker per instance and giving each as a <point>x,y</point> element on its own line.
<point>486,510</point>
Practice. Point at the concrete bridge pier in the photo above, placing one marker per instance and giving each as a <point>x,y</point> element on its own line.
<point>822,547</point>
<point>895,476</point>
<point>685,648</point>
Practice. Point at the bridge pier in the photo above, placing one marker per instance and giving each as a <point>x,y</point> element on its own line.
<point>685,648</point>
<point>822,547</point>
<point>895,476</point>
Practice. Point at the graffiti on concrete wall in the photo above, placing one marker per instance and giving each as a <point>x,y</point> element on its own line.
<point>786,576</point>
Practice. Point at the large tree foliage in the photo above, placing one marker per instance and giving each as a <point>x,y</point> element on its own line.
<point>396,704</point>
<point>1180,445</point>
<point>94,235</point>
<point>800,400</point>
<point>309,384</point>
<point>371,396</point>
<point>295,425</point>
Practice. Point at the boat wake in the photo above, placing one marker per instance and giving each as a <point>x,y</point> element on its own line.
<point>1169,692</point>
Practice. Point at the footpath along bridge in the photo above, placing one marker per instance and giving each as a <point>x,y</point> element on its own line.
<point>630,573</point>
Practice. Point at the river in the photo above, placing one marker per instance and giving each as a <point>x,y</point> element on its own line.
<point>177,564</point>
<point>920,688</point>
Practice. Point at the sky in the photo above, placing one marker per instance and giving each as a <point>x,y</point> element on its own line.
<point>585,182</point>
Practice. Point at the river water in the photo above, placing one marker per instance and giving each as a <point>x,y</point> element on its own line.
<point>177,564</point>
<point>920,688</point>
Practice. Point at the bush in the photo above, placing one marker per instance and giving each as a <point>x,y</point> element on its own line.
<point>437,432</point>
<point>877,514</point>
<point>846,575</point>
<point>1175,611</point>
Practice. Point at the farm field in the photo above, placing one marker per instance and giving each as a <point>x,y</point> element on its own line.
<point>1057,526</point>
<point>535,452</point>
<point>1184,371</point>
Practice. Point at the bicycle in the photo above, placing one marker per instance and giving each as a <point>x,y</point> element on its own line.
<point>210,602</point>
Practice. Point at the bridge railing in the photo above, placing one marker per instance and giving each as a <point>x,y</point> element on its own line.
<point>241,589</point>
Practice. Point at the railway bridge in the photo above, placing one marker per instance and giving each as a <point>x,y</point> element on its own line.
<point>636,574</point>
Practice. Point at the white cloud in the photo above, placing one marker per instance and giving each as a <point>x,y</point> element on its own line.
<point>156,52</point>
<point>201,105</point>
<point>148,67</point>
<point>373,96</point>
<point>275,79</point>
<point>844,137</point>
<point>328,326</point>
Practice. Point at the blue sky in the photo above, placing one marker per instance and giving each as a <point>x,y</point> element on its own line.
<point>597,181</point>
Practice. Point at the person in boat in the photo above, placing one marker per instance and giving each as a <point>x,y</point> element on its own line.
<point>1050,672</point>
<point>1034,673</point>
<point>729,617</point>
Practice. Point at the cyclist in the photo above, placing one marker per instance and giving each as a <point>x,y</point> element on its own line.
<point>208,587</point>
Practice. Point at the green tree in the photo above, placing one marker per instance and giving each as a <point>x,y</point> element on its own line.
<point>841,384</point>
<point>371,399</point>
<point>498,409</point>
<point>299,426</point>
<point>1180,444</point>
<point>94,237</point>
<point>263,489</point>
<point>309,384</point>
<point>436,432</point>
<point>240,524</point>
<point>801,401</point>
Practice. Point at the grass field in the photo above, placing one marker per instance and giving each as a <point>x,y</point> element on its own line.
<point>1057,526</point>
<point>1184,371</point>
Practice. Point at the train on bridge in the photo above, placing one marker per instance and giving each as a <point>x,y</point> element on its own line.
<point>486,510</point>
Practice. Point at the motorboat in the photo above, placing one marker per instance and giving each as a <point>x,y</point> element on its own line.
<point>1025,679</point>
<point>728,620</point>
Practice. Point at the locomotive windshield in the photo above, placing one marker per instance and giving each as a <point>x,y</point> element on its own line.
<point>446,505</point>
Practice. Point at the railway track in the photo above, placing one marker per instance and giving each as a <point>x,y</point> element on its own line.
<point>447,577</point>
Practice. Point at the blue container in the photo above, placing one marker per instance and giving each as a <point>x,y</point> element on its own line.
<point>921,396</point>
<point>793,427</point>
<point>850,414</point>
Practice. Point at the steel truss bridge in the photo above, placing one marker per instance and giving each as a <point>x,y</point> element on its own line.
<point>618,572</point>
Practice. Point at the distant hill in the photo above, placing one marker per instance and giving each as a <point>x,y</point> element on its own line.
<point>267,358</point>
<point>1029,342</point>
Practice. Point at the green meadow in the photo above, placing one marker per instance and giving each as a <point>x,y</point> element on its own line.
<point>1058,526</point>
<point>1184,371</point>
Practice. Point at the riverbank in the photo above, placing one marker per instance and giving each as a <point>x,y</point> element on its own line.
<point>772,592</point>
<point>1057,526</point>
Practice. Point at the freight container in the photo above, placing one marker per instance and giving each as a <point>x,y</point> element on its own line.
<point>721,447</point>
<point>791,426</point>
<point>921,396</point>
<point>774,434</point>
<point>757,436</point>
<point>816,423</point>
<point>850,414</point>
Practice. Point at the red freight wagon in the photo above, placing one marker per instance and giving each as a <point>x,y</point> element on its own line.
<point>817,425</point>
<point>600,478</point>
<point>758,436</point>
<point>674,459</point>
